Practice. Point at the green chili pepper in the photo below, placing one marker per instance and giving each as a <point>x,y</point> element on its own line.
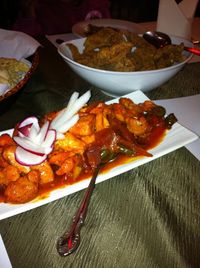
<point>125,150</point>
<point>107,155</point>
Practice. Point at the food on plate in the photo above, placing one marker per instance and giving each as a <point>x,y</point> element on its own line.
<point>66,146</point>
<point>91,29</point>
<point>4,77</point>
<point>12,71</point>
<point>124,51</point>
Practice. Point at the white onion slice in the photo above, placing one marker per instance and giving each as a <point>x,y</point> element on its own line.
<point>59,136</point>
<point>67,124</point>
<point>77,105</point>
<point>26,158</point>
<point>71,102</point>
<point>72,99</point>
<point>62,119</point>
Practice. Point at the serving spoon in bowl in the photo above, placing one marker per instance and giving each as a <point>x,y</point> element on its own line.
<point>159,40</point>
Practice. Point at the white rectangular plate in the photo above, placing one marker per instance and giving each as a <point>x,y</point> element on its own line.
<point>177,137</point>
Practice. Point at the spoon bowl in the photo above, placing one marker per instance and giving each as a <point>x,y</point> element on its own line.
<point>159,40</point>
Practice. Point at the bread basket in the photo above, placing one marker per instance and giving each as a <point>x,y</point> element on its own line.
<point>34,61</point>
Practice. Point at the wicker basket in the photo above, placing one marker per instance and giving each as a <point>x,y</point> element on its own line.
<point>34,64</point>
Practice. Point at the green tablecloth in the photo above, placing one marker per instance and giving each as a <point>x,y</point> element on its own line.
<point>147,217</point>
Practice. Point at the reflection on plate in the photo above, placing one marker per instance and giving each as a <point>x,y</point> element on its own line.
<point>81,27</point>
<point>177,137</point>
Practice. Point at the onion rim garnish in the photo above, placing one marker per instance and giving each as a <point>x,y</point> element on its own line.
<point>34,143</point>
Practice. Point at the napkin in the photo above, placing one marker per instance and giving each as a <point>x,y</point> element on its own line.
<point>3,88</point>
<point>187,110</point>
<point>176,19</point>
<point>64,37</point>
<point>16,45</point>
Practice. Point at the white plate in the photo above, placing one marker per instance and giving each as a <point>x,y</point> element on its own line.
<point>81,27</point>
<point>177,137</point>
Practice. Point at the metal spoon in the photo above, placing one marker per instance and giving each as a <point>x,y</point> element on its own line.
<point>70,240</point>
<point>159,40</point>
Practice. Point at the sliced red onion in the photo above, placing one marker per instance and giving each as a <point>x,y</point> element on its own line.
<point>26,158</point>
<point>30,120</point>
<point>50,138</point>
<point>30,146</point>
<point>25,130</point>
<point>30,124</point>
<point>42,133</point>
<point>33,132</point>
<point>35,143</point>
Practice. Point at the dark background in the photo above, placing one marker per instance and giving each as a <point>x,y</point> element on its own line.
<point>133,10</point>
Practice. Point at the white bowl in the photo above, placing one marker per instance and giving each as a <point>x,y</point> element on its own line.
<point>115,83</point>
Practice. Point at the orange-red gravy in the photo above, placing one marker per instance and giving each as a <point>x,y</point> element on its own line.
<point>156,137</point>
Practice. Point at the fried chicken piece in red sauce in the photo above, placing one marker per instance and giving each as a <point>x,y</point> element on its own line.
<point>22,190</point>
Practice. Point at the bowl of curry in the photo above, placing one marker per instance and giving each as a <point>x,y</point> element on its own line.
<point>119,62</point>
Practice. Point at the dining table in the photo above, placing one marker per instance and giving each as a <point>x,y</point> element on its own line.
<point>147,217</point>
